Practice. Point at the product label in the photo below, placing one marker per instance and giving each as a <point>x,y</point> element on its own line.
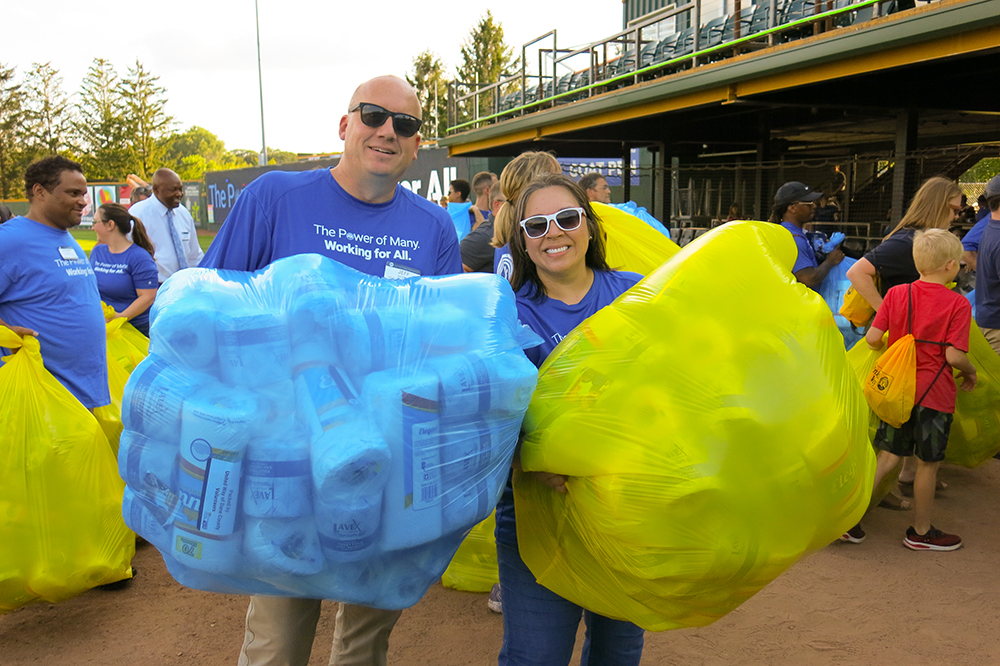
<point>222,484</point>
<point>189,547</point>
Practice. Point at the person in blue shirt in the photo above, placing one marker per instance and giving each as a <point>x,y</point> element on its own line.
<point>794,207</point>
<point>126,273</point>
<point>47,287</point>
<point>560,278</point>
<point>359,215</point>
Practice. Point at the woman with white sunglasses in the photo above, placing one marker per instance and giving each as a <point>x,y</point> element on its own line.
<point>560,278</point>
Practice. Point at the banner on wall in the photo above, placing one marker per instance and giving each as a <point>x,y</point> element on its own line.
<point>610,168</point>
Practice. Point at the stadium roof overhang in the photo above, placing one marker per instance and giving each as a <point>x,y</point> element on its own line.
<point>840,92</point>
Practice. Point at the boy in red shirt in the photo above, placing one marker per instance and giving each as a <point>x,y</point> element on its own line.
<point>942,316</point>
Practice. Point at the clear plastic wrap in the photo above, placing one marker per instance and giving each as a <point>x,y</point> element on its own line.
<point>308,430</point>
<point>712,432</point>
<point>59,494</point>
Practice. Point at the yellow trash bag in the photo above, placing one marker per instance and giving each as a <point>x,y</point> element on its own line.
<point>712,432</point>
<point>60,494</point>
<point>474,567</point>
<point>856,309</point>
<point>125,351</point>
<point>631,244</point>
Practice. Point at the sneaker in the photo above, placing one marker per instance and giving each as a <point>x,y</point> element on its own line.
<point>494,603</point>
<point>854,535</point>
<point>935,539</point>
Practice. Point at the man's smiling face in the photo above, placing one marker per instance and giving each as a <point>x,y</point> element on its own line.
<point>379,151</point>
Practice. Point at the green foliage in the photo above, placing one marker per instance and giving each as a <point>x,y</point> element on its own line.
<point>428,78</point>
<point>147,119</point>
<point>985,169</point>
<point>13,159</point>
<point>486,58</point>
<point>49,119</point>
<point>101,125</point>
<point>196,151</point>
<point>276,156</point>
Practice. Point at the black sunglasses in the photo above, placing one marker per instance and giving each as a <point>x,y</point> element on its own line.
<point>374,115</point>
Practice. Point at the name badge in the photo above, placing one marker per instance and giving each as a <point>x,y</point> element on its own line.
<point>185,235</point>
<point>68,253</point>
<point>395,271</point>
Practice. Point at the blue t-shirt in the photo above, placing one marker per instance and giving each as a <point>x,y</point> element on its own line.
<point>281,214</point>
<point>806,257</point>
<point>988,277</point>
<point>47,285</point>
<point>503,263</point>
<point>119,275</point>
<point>970,241</point>
<point>553,320</point>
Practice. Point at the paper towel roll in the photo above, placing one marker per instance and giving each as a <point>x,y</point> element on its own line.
<point>445,329</point>
<point>310,320</point>
<point>150,468</point>
<point>325,398</point>
<point>350,463</point>
<point>469,446</point>
<point>253,348</point>
<point>467,504</point>
<point>184,332</point>
<point>406,409</point>
<point>348,532</point>
<point>278,413</point>
<point>374,340</point>
<point>277,480</point>
<point>476,383</point>
<point>207,552</point>
<point>217,423</point>
<point>153,397</point>
<point>279,546</point>
<point>147,520</point>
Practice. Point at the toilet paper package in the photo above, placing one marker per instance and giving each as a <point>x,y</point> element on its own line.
<point>311,431</point>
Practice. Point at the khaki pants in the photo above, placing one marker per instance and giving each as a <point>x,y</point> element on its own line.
<point>993,337</point>
<point>280,632</point>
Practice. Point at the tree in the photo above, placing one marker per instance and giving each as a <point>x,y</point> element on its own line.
<point>12,154</point>
<point>486,59</point>
<point>982,171</point>
<point>101,126</point>
<point>49,121</point>
<point>196,151</point>
<point>147,120</point>
<point>429,81</point>
<point>276,156</point>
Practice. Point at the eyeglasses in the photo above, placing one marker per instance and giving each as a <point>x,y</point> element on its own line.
<point>567,219</point>
<point>374,115</point>
<point>803,203</point>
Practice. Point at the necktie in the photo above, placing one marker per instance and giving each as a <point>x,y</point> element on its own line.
<point>176,240</point>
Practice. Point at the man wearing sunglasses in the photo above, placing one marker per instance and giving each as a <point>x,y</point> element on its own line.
<point>794,206</point>
<point>358,214</point>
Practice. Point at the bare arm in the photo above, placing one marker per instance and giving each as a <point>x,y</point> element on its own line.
<point>874,338</point>
<point>139,305</point>
<point>862,277</point>
<point>959,360</point>
<point>814,275</point>
<point>969,258</point>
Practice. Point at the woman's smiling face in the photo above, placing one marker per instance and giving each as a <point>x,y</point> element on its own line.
<point>557,252</point>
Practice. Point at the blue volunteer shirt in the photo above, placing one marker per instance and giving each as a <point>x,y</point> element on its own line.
<point>988,277</point>
<point>47,285</point>
<point>970,241</point>
<point>283,213</point>
<point>806,257</point>
<point>120,275</point>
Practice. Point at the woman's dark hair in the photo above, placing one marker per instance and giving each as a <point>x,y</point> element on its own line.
<point>524,268</point>
<point>125,222</point>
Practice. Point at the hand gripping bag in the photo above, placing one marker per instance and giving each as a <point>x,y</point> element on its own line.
<point>60,497</point>
<point>474,567</point>
<point>631,244</point>
<point>311,431</point>
<point>712,432</point>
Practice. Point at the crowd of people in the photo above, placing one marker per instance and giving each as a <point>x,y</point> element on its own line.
<point>532,225</point>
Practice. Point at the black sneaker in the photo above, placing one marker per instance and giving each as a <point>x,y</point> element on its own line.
<point>853,535</point>
<point>935,539</point>
<point>494,603</point>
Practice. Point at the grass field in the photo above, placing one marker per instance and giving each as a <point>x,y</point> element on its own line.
<point>87,239</point>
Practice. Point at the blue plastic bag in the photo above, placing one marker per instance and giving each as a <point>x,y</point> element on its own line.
<point>832,289</point>
<point>632,208</point>
<point>308,430</point>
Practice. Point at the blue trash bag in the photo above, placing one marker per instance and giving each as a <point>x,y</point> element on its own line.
<point>632,208</point>
<point>971,297</point>
<point>311,431</point>
<point>460,218</point>
<point>832,289</point>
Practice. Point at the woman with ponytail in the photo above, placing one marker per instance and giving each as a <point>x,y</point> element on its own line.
<point>126,272</point>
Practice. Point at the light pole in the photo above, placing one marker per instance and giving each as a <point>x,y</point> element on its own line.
<point>260,83</point>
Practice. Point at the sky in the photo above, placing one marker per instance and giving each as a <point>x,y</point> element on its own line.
<point>313,53</point>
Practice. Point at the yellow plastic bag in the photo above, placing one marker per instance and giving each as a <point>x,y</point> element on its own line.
<point>975,431</point>
<point>891,386</point>
<point>856,309</point>
<point>474,567</point>
<point>631,244</point>
<point>60,494</point>
<point>712,431</point>
<point>126,345</point>
<point>123,356</point>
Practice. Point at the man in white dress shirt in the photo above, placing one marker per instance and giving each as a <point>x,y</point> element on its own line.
<point>169,225</point>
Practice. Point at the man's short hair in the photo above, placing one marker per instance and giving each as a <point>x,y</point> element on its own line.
<point>481,181</point>
<point>934,248</point>
<point>992,193</point>
<point>496,191</point>
<point>462,187</point>
<point>47,172</point>
<point>589,181</point>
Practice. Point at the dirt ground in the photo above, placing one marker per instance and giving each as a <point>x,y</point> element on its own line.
<point>873,603</point>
